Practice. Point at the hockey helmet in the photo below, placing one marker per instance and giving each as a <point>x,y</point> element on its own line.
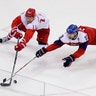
<point>30,12</point>
<point>72,29</point>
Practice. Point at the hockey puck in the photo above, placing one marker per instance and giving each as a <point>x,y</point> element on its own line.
<point>15,81</point>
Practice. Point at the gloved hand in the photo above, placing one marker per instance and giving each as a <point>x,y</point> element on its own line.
<point>21,45</point>
<point>40,52</point>
<point>15,33</point>
<point>18,34</point>
<point>68,60</point>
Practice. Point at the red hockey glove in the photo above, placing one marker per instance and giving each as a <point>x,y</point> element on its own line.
<point>68,60</point>
<point>14,33</point>
<point>40,52</point>
<point>18,34</point>
<point>20,46</point>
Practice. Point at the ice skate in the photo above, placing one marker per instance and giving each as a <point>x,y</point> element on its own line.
<point>4,39</point>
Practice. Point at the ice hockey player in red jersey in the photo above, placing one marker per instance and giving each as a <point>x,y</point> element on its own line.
<point>81,36</point>
<point>29,22</point>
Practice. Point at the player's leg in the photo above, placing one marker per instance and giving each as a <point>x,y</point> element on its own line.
<point>4,39</point>
<point>42,37</point>
<point>10,35</point>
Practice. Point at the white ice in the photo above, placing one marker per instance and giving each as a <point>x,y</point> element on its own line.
<point>46,76</point>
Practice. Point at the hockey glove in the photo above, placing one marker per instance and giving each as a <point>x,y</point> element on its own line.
<point>40,52</point>
<point>18,34</point>
<point>21,45</point>
<point>15,33</point>
<point>68,60</point>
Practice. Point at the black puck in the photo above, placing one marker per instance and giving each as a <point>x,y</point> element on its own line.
<point>15,81</point>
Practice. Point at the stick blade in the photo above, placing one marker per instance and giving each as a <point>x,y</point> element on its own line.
<point>5,84</point>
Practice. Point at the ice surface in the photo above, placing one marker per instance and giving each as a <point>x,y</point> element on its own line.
<point>46,76</point>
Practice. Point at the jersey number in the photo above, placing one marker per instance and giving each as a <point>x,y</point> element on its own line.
<point>42,20</point>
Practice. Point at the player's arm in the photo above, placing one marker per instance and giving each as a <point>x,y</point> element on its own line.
<point>28,35</point>
<point>82,47</point>
<point>81,50</point>
<point>16,22</point>
<point>14,31</point>
<point>55,45</point>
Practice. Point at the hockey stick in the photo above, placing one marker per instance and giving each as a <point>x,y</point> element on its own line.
<point>8,84</point>
<point>5,84</point>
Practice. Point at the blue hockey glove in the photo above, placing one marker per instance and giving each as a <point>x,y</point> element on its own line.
<point>40,52</point>
<point>68,60</point>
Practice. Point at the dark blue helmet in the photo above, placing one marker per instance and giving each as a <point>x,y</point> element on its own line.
<point>72,29</point>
